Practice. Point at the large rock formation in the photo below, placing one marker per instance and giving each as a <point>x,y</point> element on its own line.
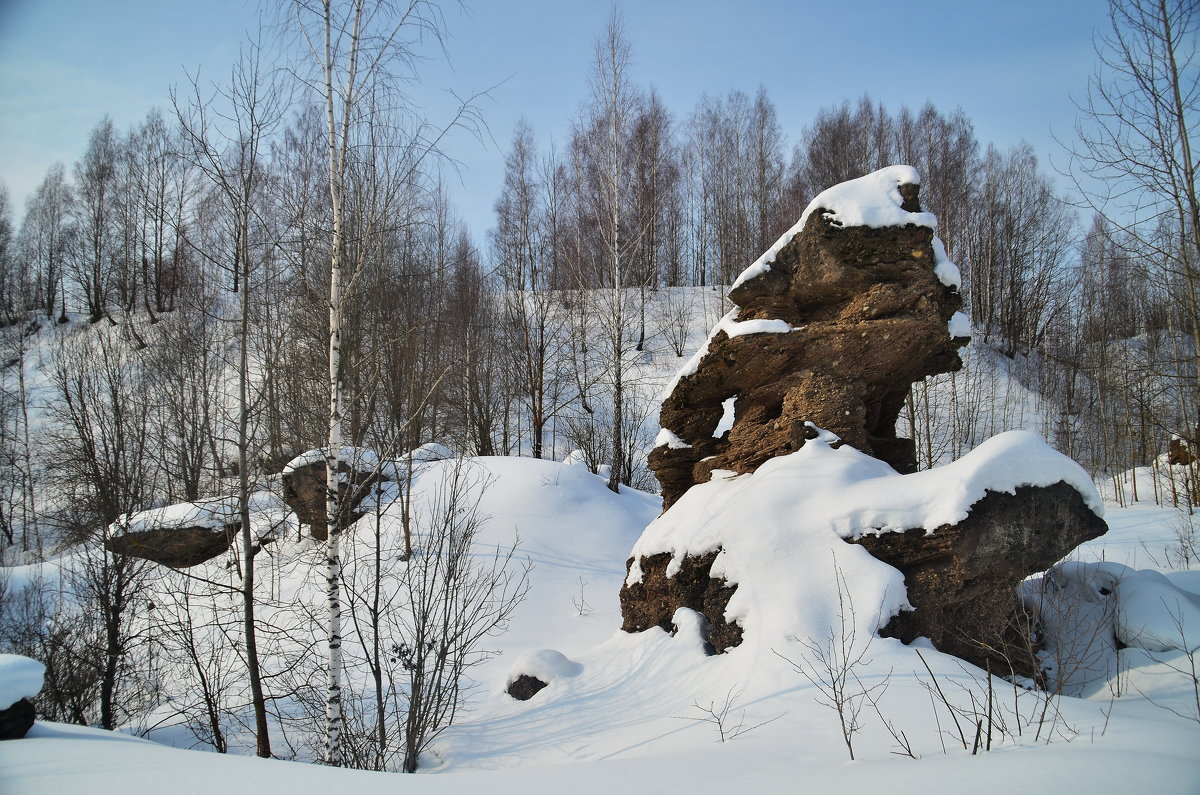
<point>832,327</point>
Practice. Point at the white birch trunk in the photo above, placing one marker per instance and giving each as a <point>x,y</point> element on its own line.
<point>337,134</point>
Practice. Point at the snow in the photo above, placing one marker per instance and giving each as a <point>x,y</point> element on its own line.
<point>20,677</point>
<point>1155,615</point>
<point>1095,616</point>
<point>765,529</point>
<point>359,459</point>
<point>960,325</point>
<point>945,270</point>
<point>268,512</point>
<point>624,711</point>
<point>544,664</point>
<point>667,438</point>
<point>728,414</point>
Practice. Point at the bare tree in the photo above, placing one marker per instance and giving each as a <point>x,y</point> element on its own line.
<point>230,152</point>
<point>46,234</point>
<point>604,168</point>
<point>359,51</point>
<point>96,178</point>
<point>831,664</point>
<point>1134,161</point>
<point>105,473</point>
<point>535,322</point>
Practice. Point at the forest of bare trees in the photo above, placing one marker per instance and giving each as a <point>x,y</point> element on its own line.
<point>272,264</point>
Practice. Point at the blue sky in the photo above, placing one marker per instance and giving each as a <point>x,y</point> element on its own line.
<point>1011,66</point>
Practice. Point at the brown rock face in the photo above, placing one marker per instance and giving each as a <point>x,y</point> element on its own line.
<point>177,547</point>
<point>653,601</point>
<point>304,493</point>
<point>962,578</point>
<point>869,318</point>
<point>1180,453</point>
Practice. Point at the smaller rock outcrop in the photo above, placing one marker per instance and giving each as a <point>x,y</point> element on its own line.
<point>525,687</point>
<point>190,533</point>
<point>176,547</point>
<point>17,720</point>
<point>1180,452</point>
<point>362,472</point>
<point>304,491</point>
<point>533,672</point>
<point>962,579</point>
<point>21,680</point>
<point>652,601</point>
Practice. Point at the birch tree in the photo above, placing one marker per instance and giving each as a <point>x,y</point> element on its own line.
<point>360,52</point>
<point>604,168</point>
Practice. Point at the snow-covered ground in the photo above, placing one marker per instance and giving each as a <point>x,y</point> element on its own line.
<point>638,712</point>
<point>650,712</point>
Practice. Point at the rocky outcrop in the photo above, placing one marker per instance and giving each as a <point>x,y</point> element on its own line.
<point>962,579</point>
<point>177,547</point>
<point>190,533</point>
<point>832,329</point>
<point>525,687</point>
<point>17,720</point>
<point>304,492</point>
<point>1180,452</point>
<point>652,602</point>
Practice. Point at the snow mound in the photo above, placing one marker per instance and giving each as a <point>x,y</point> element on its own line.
<point>1091,613</point>
<point>793,514</point>
<point>359,459</point>
<point>544,664</point>
<point>20,677</point>
<point>1154,615</point>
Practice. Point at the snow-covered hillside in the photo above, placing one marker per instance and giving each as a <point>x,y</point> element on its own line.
<point>651,712</point>
<point>646,712</point>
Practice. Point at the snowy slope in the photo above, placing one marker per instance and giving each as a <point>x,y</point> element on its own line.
<point>630,716</point>
<point>639,712</point>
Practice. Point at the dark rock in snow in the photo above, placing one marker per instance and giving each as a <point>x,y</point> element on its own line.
<point>177,547</point>
<point>962,578</point>
<point>653,601</point>
<point>16,720</point>
<point>868,317</point>
<point>304,493</point>
<point>525,687</point>
<point>1180,452</point>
